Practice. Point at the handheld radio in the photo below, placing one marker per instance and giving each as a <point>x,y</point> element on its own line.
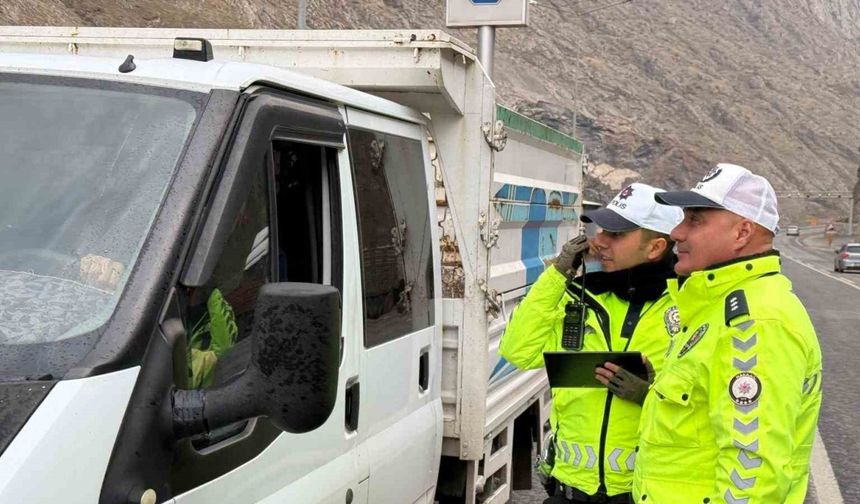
<point>573,329</point>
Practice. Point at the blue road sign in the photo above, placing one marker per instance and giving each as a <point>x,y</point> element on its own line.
<point>485,2</point>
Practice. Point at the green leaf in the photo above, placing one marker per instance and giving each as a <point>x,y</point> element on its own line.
<point>202,365</point>
<point>222,323</point>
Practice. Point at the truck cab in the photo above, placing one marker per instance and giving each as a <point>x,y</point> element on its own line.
<point>205,264</point>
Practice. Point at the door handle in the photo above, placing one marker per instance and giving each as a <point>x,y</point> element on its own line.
<point>353,400</point>
<point>424,370</point>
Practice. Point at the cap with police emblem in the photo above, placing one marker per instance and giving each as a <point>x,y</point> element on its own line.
<point>733,188</point>
<point>635,207</point>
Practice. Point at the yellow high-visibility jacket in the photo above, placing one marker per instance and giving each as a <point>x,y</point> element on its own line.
<point>731,417</point>
<point>595,432</point>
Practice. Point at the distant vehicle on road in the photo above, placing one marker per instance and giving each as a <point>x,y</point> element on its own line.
<point>792,231</point>
<point>847,257</point>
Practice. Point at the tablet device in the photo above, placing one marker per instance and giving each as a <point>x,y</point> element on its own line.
<point>576,369</point>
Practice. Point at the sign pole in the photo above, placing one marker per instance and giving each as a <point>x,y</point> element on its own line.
<point>303,12</point>
<point>486,47</point>
<point>486,15</point>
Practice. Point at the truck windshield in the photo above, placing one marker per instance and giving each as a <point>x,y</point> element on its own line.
<point>83,172</point>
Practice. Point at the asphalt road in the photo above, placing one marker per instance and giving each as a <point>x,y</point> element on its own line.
<point>833,301</point>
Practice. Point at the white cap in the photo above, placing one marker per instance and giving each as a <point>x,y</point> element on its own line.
<point>733,188</point>
<point>635,207</point>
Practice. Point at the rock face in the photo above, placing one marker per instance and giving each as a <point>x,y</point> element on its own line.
<point>663,89</point>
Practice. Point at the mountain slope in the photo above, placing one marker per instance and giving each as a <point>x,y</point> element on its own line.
<point>661,88</point>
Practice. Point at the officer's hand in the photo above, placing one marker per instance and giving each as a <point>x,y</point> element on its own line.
<point>649,369</point>
<point>624,384</point>
<point>570,258</point>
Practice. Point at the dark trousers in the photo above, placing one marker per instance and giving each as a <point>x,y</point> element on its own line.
<point>566,495</point>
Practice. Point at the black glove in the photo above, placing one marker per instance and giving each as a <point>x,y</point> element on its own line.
<point>630,387</point>
<point>570,258</point>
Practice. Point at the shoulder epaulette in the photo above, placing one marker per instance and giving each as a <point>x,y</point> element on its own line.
<point>736,305</point>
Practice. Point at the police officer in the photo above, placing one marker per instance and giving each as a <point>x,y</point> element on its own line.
<point>627,308</point>
<point>731,416</point>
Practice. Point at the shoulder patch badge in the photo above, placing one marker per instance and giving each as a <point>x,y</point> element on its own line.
<point>672,319</point>
<point>694,339</point>
<point>745,389</point>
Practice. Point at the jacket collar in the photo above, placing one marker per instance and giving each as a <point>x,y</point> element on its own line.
<point>645,282</point>
<point>699,291</point>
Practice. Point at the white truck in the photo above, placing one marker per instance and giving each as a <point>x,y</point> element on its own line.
<point>267,266</point>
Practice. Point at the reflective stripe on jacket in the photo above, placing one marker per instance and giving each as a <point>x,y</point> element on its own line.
<point>731,417</point>
<point>582,417</point>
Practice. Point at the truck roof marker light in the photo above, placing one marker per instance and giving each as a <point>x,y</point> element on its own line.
<point>127,65</point>
<point>196,49</point>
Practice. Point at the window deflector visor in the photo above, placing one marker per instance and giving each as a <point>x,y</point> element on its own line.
<point>277,115</point>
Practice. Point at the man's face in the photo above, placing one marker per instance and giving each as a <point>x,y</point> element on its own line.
<point>619,251</point>
<point>705,237</point>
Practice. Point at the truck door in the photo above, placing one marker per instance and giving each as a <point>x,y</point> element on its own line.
<point>400,419</point>
<point>277,214</point>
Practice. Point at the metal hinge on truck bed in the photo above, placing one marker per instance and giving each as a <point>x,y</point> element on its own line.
<point>496,135</point>
<point>492,299</point>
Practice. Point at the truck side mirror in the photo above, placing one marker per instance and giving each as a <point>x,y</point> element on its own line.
<point>292,376</point>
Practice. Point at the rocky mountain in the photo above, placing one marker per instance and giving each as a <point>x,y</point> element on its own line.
<point>658,89</point>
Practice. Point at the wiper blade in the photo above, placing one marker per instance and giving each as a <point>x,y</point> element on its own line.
<point>44,377</point>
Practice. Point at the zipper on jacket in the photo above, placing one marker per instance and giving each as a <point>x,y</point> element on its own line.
<point>601,469</point>
<point>604,428</point>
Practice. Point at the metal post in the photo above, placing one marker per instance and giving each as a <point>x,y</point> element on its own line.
<point>303,12</point>
<point>486,46</point>
<point>851,217</point>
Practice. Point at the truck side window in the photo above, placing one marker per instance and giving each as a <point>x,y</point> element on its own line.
<point>298,196</point>
<point>220,315</point>
<point>394,225</point>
